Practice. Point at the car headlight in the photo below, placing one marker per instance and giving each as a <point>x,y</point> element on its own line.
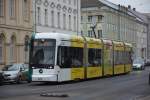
<point>138,66</point>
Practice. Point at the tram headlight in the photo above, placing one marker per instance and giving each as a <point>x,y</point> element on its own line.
<point>50,67</point>
<point>33,67</point>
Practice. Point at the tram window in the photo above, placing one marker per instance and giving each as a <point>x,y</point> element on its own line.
<point>64,60</point>
<point>108,54</point>
<point>70,57</point>
<point>128,57</point>
<point>77,56</point>
<point>125,57</point>
<point>121,61</point>
<point>118,57</point>
<point>94,57</point>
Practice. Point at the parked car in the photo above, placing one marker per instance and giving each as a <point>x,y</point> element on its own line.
<point>138,64</point>
<point>1,78</point>
<point>147,63</point>
<point>149,79</point>
<point>15,73</point>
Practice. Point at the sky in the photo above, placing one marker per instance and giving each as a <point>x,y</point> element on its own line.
<point>140,5</point>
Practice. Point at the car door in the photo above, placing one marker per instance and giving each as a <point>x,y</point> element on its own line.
<point>26,69</point>
<point>23,72</point>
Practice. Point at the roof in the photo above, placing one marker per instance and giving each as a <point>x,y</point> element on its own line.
<point>100,3</point>
<point>139,16</point>
<point>93,3</point>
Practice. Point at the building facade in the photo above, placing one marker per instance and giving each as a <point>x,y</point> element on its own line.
<point>15,30</point>
<point>114,22</point>
<point>148,36</point>
<point>62,16</point>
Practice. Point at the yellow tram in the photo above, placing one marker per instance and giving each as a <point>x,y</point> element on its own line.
<point>61,57</point>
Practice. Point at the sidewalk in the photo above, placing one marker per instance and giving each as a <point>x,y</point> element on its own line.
<point>143,98</point>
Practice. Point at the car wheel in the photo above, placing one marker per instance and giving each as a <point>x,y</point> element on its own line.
<point>1,83</point>
<point>149,79</point>
<point>28,81</point>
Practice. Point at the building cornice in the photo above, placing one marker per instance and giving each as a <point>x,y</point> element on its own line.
<point>16,27</point>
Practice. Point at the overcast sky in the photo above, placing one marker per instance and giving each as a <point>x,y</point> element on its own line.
<point>140,5</point>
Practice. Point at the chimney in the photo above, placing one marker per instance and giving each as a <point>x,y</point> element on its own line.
<point>134,9</point>
<point>129,6</point>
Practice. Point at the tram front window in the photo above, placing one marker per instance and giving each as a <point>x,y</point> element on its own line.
<point>43,52</point>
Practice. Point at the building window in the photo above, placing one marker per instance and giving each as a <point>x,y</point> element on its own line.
<point>12,8</point>
<point>46,17</point>
<point>99,33</point>
<point>13,49</point>
<point>69,1</point>
<point>52,18</point>
<point>75,23</point>
<point>39,15</point>
<point>25,10</point>
<point>89,33</point>
<point>1,49</point>
<point>1,7</point>
<point>81,18</point>
<point>26,49</point>
<point>99,17</point>
<point>89,18</point>
<point>81,33</point>
<point>75,2</point>
<point>64,21</point>
<point>58,16</point>
<point>64,1</point>
<point>69,22</point>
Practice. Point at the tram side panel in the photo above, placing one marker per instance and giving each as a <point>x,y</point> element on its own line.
<point>108,60</point>
<point>70,61</point>
<point>128,60</point>
<point>94,61</point>
<point>119,64</point>
<point>78,69</point>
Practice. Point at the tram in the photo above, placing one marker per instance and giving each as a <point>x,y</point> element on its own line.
<point>57,57</point>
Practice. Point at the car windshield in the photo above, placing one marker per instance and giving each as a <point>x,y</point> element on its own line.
<point>14,67</point>
<point>138,61</point>
<point>6,67</point>
<point>43,52</point>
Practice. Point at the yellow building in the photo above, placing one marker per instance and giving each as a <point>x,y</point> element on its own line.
<point>15,29</point>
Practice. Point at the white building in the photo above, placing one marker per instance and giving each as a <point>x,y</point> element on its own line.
<point>57,16</point>
<point>115,22</point>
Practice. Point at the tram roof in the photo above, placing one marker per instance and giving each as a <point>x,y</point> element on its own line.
<point>105,41</point>
<point>118,43</point>
<point>63,36</point>
<point>58,36</point>
<point>93,40</point>
<point>128,44</point>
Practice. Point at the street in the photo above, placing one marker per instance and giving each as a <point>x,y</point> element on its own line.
<point>133,86</point>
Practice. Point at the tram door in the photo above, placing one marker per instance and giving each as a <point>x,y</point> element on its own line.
<point>128,59</point>
<point>108,59</point>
